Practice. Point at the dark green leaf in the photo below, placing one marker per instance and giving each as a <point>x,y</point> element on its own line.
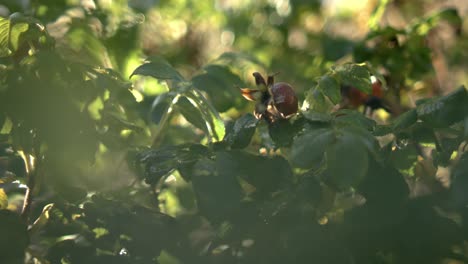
<point>265,174</point>
<point>382,130</point>
<point>405,120</point>
<point>242,131</point>
<point>14,238</point>
<point>446,110</point>
<point>160,162</point>
<point>317,116</point>
<point>347,161</point>
<point>162,104</point>
<point>191,113</point>
<point>345,117</point>
<point>459,176</point>
<point>216,187</point>
<point>70,193</point>
<point>404,156</point>
<point>308,149</point>
<point>364,138</point>
<point>466,128</point>
<point>283,131</point>
<point>158,68</point>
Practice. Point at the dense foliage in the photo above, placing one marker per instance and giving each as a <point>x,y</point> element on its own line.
<point>107,159</point>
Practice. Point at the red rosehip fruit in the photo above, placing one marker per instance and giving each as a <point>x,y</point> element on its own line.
<point>284,99</point>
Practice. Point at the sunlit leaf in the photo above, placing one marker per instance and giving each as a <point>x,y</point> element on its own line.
<point>16,31</point>
<point>42,220</point>
<point>213,122</point>
<point>3,199</point>
<point>4,37</point>
<point>10,32</point>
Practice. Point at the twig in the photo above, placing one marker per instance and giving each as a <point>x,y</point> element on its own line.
<point>30,183</point>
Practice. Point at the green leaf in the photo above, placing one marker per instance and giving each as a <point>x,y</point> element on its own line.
<point>345,149</point>
<point>446,110</point>
<point>265,174</point>
<point>158,68</point>
<point>365,138</point>
<point>14,239</point>
<point>214,124</point>
<point>308,149</point>
<point>459,185</point>
<point>216,187</point>
<point>162,104</point>
<point>3,199</point>
<point>4,37</point>
<point>345,117</point>
<point>466,128</point>
<point>330,87</point>
<point>316,100</point>
<point>42,220</point>
<point>160,162</point>
<point>382,130</point>
<point>404,157</point>
<point>405,120</point>
<point>355,75</point>
<point>347,161</point>
<point>190,112</point>
<point>242,131</point>
<point>317,116</point>
<point>16,31</point>
<point>283,131</point>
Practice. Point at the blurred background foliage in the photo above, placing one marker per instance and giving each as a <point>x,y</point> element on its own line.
<point>70,112</point>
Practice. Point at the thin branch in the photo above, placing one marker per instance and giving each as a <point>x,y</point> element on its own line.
<point>31,182</point>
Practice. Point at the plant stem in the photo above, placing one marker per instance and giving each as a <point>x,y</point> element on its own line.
<point>158,135</point>
<point>31,182</point>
